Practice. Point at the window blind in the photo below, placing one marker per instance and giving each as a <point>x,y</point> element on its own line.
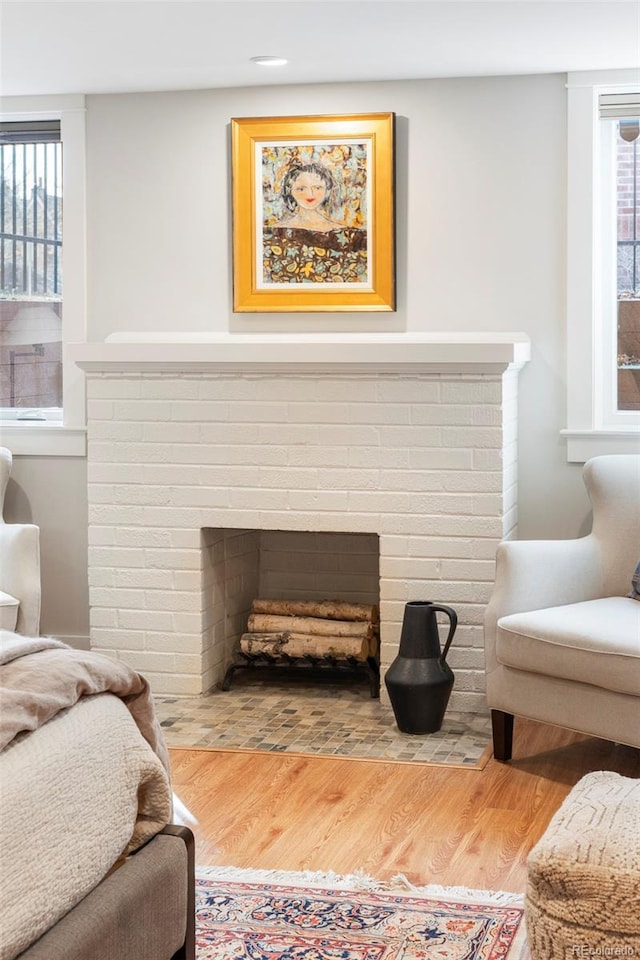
<point>30,131</point>
<point>616,105</point>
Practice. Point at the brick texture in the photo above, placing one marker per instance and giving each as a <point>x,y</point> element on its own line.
<point>207,490</point>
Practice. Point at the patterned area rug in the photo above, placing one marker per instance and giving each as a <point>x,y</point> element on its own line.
<point>267,915</point>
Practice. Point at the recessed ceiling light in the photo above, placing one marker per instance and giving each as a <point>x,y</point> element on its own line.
<point>269,61</point>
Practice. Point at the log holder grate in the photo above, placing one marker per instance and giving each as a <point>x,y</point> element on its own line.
<point>326,666</point>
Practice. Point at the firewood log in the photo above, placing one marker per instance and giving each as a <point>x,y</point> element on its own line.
<point>304,645</point>
<point>266,623</point>
<point>324,609</point>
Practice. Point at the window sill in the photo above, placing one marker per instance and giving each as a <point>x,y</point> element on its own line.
<point>42,439</point>
<point>584,444</point>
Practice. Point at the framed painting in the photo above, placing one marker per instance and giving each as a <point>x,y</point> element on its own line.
<point>313,213</point>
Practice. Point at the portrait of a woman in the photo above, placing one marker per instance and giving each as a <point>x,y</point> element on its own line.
<point>309,242</point>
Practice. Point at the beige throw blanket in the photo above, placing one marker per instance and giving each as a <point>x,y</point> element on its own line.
<point>40,676</point>
<point>79,786</point>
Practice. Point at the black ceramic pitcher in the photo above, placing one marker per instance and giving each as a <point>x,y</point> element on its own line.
<point>419,680</point>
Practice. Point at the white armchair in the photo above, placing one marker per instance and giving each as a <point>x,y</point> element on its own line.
<point>562,636</point>
<point>20,590</point>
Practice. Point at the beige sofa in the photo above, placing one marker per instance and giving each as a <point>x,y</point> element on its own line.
<point>562,636</point>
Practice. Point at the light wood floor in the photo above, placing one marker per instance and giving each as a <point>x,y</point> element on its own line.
<point>433,824</point>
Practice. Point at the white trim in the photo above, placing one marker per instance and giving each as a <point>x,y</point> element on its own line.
<point>584,444</point>
<point>44,108</point>
<point>12,414</point>
<point>581,180</point>
<point>54,440</point>
<point>311,354</point>
<point>604,79</point>
<point>606,378</point>
<point>78,641</point>
<point>587,414</point>
<point>39,439</point>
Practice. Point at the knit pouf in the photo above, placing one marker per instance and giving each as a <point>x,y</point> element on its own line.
<point>583,885</point>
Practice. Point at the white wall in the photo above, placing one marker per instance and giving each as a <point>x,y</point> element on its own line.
<point>480,204</point>
<point>53,493</point>
<point>480,198</point>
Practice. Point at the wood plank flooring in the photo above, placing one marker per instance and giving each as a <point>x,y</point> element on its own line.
<point>433,824</point>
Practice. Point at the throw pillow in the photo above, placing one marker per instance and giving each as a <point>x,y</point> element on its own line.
<point>635,584</point>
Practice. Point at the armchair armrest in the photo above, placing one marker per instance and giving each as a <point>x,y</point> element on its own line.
<point>20,572</point>
<point>534,574</point>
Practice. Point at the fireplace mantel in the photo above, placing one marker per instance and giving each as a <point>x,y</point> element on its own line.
<point>304,353</point>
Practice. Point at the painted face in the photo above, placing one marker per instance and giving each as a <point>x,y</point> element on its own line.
<point>308,190</point>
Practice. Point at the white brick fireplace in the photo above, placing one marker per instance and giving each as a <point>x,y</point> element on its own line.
<point>394,458</point>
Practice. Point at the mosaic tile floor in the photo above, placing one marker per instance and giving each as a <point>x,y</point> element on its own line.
<point>322,718</point>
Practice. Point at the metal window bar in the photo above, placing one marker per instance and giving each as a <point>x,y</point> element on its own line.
<point>56,224</point>
<point>31,218</point>
<point>24,221</point>
<point>634,243</point>
<point>628,128</point>
<point>2,231</point>
<point>628,265</point>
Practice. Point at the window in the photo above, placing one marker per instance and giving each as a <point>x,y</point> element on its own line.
<point>626,133</point>
<point>31,269</point>
<point>42,262</point>
<point>603,261</point>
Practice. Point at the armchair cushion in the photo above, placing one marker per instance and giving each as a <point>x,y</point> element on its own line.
<point>8,611</point>
<point>576,642</point>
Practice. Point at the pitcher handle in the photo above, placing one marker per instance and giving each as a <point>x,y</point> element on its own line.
<point>453,623</point>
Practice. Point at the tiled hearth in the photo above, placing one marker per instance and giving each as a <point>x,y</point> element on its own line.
<point>325,719</point>
<point>203,455</point>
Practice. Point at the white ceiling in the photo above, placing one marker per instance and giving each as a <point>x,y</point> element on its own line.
<point>101,46</point>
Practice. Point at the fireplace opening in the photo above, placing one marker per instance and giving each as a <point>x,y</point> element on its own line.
<point>243,565</point>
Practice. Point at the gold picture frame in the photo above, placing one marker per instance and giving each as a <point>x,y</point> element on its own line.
<point>313,213</point>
